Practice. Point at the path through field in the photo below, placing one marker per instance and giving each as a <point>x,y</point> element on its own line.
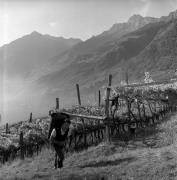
<point>152,155</point>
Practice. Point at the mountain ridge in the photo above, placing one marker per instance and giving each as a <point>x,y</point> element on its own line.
<point>150,47</point>
<point>31,51</point>
<point>123,52</point>
<point>38,34</point>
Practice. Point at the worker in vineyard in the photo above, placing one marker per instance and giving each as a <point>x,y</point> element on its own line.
<point>58,132</point>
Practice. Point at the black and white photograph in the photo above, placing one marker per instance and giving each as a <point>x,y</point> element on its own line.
<point>88,89</point>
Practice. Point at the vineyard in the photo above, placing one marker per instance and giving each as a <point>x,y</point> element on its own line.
<point>125,110</point>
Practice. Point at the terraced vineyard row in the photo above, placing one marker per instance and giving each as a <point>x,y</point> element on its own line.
<point>126,109</point>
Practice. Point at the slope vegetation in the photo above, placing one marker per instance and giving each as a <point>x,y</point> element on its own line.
<point>151,155</point>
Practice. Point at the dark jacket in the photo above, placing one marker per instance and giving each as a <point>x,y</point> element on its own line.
<point>57,121</point>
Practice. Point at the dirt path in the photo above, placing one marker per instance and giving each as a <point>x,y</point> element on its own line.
<point>152,156</point>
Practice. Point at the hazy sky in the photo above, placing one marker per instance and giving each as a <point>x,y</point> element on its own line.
<point>72,18</point>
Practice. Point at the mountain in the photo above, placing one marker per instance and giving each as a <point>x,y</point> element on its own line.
<point>86,49</point>
<point>54,65</point>
<point>22,56</point>
<point>91,49</point>
<point>148,48</point>
<point>159,57</point>
<point>115,32</point>
<point>21,63</point>
<point>170,17</point>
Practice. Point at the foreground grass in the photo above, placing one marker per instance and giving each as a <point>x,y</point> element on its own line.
<point>152,155</point>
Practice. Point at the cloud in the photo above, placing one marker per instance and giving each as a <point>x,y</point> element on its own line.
<point>52,24</point>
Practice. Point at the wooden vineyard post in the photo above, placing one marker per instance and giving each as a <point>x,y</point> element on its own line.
<point>98,123</point>
<point>57,103</point>
<point>7,128</point>
<point>78,94</point>
<point>99,98</point>
<point>107,108</point>
<point>21,146</point>
<point>99,104</point>
<point>31,117</point>
<point>79,102</point>
<point>126,77</point>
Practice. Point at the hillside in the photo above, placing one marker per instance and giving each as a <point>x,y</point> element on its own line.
<point>48,67</point>
<point>115,32</point>
<point>150,48</point>
<point>21,63</point>
<point>27,54</point>
<point>151,156</point>
<point>83,56</point>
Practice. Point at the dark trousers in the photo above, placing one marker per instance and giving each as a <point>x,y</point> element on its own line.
<point>59,155</point>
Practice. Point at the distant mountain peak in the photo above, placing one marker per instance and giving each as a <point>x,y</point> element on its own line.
<point>139,21</point>
<point>135,18</point>
<point>172,15</point>
<point>135,22</point>
<point>35,33</point>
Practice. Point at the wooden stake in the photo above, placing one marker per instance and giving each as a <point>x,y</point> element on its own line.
<point>31,117</point>
<point>107,107</point>
<point>99,98</point>
<point>126,77</point>
<point>7,128</point>
<point>78,94</point>
<point>79,102</point>
<point>57,103</point>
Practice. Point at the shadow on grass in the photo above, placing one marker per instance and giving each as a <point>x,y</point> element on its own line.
<point>109,163</point>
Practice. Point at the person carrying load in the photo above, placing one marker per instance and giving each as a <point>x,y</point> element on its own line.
<point>58,132</point>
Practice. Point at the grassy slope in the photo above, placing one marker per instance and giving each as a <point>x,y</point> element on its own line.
<point>152,155</point>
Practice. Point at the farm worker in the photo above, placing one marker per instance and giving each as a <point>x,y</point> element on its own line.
<point>58,132</point>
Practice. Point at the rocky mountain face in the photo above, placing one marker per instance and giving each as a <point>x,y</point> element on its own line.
<point>170,17</point>
<point>115,32</point>
<point>89,52</point>
<point>139,45</point>
<point>137,21</point>
<point>149,45</point>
